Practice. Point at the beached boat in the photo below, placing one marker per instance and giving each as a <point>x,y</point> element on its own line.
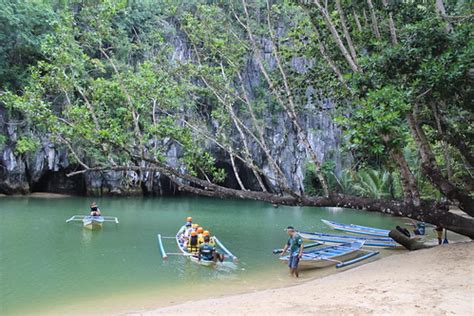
<point>357,229</point>
<point>332,239</point>
<point>341,256</point>
<point>193,257</point>
<point>92,222</point>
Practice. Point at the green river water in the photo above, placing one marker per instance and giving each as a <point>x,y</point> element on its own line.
<point>48,266</point>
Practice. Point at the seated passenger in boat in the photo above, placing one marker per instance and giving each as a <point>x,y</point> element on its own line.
<point>189,219</point>
<point>187,230</point>
<point>208,252</point>
<point>199,231</point>
<point>95,211</point>
<point>212,242</point>
<point>186,233</point>
<point>193,246</point>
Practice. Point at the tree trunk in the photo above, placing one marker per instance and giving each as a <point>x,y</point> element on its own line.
<point>409,186</point>
<point>347,35</point>
<point>408,243</point>
<point>391,23</point>
<point>442,10</point>
<point>289,106</point>
<point>431,170</point>
<point>455,139</point>
<point>336,37</point>
<point>324,52</point>
<point>375,24</point>
<point>366,20</point>
<point>261,138</point>
<point>357,21</point>
<point>444,144</point>
<point>429,211</point>
<point>236,172</point>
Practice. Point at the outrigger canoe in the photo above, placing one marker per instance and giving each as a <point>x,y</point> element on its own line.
<point>332,239</point>
<point>92,222</point>
<point>190,255</point>
<point>357,229</point>
<point>193,257</point>
<point>341,256</point>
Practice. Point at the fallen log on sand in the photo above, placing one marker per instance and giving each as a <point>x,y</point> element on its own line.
<point>407,242</point>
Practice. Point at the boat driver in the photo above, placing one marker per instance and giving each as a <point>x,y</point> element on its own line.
<point>208,252</point>
<point>95,211</point>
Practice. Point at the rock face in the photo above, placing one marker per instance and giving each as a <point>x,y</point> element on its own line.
<point>46,169</point>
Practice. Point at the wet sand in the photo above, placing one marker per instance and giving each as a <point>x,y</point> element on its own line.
<point>436,281</point>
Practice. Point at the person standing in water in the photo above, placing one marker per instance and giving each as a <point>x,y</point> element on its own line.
<point>295,245</point>
<point>95,211</point>
<point>439,233</point>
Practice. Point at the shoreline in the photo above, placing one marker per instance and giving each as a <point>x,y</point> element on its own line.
<point>39,195</point>
<point>433,281</point>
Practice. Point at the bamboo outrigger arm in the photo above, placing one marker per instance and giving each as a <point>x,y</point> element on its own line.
<point>358,259</point>
<point>162,248</point>
<point>80,218</point>
<point>218,242</point>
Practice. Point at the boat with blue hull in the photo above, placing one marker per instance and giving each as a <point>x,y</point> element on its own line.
<point>357,229</point>
<point>333,239</point>
<point>340,256</point>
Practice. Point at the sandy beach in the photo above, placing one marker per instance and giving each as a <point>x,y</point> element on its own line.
<point>436,281</point>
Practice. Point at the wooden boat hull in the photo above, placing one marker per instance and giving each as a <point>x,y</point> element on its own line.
<point>328,256</point>
<point>357,229</point>
<point>93,222</point>
<point>331,239</point>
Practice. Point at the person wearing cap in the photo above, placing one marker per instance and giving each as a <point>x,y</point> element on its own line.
<point>212,242</point>
<point>295,245</point>
<point>208,252</point>
<point>95,211</point>
<point>187,232</point>
<point>200,231</point>
<point>193,246</point>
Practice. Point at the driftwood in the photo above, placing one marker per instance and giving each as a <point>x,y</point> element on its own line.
<point>408,243</point>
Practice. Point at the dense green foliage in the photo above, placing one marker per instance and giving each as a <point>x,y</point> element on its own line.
<point>103,79</point>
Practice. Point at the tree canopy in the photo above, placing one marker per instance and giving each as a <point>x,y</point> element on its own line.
<point>106,80</point>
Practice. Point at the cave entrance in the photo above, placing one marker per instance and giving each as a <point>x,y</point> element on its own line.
<point>246,176</point>
<point>58,182</point>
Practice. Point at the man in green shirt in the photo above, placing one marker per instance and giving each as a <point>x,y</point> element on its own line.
<point>208,252</point>
<point>295,245</point>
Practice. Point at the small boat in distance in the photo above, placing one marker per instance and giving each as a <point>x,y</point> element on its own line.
<point>92,222</point>
<point>332,239</point>
<point>357,229</point>
<point>341,256</point>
